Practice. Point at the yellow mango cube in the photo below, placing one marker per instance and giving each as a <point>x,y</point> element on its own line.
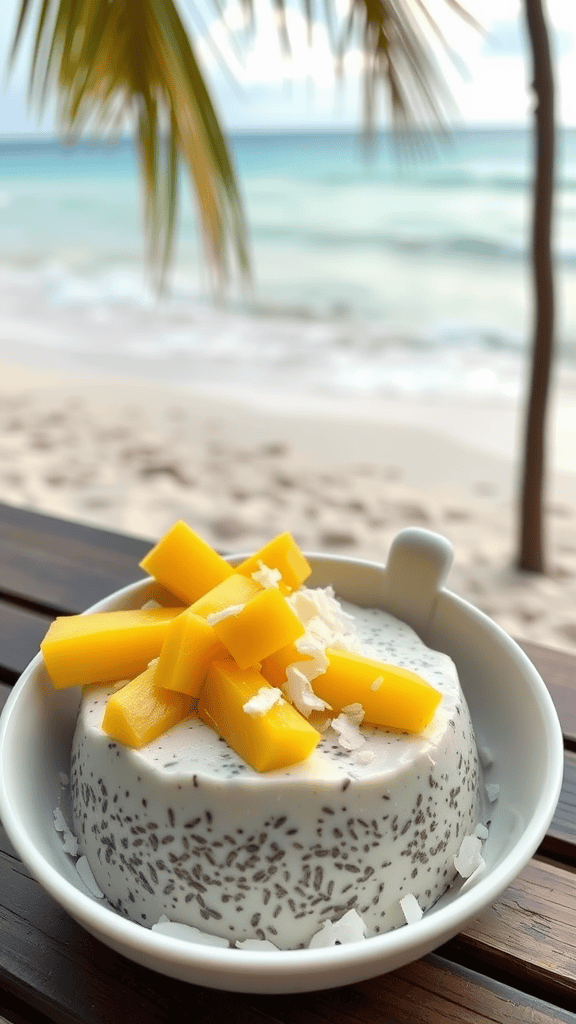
<point>185,564</point>
<point>189,648</point>
<point>276,739</point>
<point>281,553</point>
<point>394,697</point>
<point>264,625</point>
<point>104,646</point>
<point>140,711</point>
<point>275,665</point>
<point>234,590</point>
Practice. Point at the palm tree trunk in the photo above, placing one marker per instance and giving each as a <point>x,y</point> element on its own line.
<point>531,555</point>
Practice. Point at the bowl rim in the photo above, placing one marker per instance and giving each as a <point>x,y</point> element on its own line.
<point>401,945</point>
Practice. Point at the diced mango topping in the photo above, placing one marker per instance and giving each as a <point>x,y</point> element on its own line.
<point>276,739</point>
<point>188,650</point>
<point>263,625</point>
<point>233,642</point>
<point>140,711</point>
<point>104,646</point>
<point>184,563</point>
<point>234,591</point>
<point>281,553</point>
<point>390,696</point>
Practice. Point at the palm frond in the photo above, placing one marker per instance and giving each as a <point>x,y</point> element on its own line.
<point>399,55</point>
<point>130,62</point>
<point>397,38</point>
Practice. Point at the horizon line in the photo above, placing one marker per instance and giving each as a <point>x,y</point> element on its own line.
<point>54,136</point>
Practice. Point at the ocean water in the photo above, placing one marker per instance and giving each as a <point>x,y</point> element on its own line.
<point>373,277</point>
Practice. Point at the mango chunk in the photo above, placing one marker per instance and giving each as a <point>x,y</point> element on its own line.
<point>104,646</point>
<point>281,553</point>
<point>394,697</point>
<point>189,648</point>
<point>141,710</point>
<point>278,738</point>
<point>275,665</point>
<point>185,563</point>
<point>265,624</point>
<point>234,590</point>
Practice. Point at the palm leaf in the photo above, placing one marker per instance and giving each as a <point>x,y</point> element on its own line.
<point>399,53</point>
<point>132,63</point>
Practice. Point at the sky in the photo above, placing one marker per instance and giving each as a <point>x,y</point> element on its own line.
<point>262,89</point>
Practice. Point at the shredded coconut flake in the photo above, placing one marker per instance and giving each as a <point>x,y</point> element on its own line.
<point>266,576</point>
<point>317,638</point>
<point>303,604</point>
<point>258,945</point>
<point>350,928</point>
<point>377,683</point>
<point>60,822</point>
<point>473,878</point>
<point>316,658</point>
<point>187,932</point>
<point>411,908</point>
<point>468,857</point>
<point>85,872</point>
<point>492,791</point>
<point>299,691</point>
<point>262,701</point>
<point>150,605</point>
<point>332,612</point>
<point>355,713</point>
<point>323,616</point>
<point>486,757</point>
<point>349,735</point>
<point>347,642</point>
<point>69,843</point>
<point>320,721</point>
<point>482,831</point>
<point>64,779</point>
<point>224,613</point>
<point>311,668</point>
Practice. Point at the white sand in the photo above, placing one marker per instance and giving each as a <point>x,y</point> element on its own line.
<point>132,456</point>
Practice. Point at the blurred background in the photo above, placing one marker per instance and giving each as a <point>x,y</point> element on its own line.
<point>398,274</point>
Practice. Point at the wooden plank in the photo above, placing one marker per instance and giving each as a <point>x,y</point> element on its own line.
<point>558,672</point>
<point>560,841</point>
<point>429,991</point>
<point>18,1012</point>
<point>529,933</point>
<point>20,634</point>
<point>61,566</point>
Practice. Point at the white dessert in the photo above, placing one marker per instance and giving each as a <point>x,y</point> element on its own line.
<point>185,829</point>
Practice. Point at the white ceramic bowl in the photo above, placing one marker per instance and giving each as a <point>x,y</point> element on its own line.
<point>513,716</point>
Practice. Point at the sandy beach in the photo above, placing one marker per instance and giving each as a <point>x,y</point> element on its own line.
<point>129,455</point>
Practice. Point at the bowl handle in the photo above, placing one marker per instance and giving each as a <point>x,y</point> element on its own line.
<point>418,564</point>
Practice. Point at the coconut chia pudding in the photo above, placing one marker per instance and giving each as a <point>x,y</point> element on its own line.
<point>366,828</point>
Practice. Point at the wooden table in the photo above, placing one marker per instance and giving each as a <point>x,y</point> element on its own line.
<point>515,963</point>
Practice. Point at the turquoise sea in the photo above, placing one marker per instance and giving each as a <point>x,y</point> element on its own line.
<point>372,277</point>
